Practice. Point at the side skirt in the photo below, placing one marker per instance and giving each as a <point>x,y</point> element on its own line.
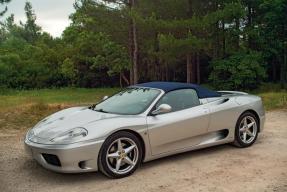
<point>208,140</point>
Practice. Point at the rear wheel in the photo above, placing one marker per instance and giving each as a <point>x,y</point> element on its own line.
<point>246,130</point>
<point>120,155</point>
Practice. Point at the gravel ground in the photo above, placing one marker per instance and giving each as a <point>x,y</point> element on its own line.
<point>262,167</point>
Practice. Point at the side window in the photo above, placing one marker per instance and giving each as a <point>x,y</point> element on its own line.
<point>180,99</point>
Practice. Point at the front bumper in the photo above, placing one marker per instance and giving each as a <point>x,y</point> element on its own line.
<point>262,122</point>
<point>73,158</point>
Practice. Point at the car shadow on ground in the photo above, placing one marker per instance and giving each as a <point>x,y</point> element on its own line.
<point>187,155</point>
<point>36,171</point>
<point>33,168</point>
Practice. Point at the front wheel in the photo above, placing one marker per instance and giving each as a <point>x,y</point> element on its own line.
<point>246,130</point>
<point>120,155</point>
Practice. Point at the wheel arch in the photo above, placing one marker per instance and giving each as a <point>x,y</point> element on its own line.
<point>138,136</point>
<point>254,113</point>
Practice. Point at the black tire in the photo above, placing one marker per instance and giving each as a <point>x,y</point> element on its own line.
<point>103,164</point>
<point>237,139</point>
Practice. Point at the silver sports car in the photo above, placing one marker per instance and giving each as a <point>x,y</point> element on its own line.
<point>141,123</point>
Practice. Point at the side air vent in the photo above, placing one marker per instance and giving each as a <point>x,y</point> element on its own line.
<point>223,101</point>
<point>214,136</point>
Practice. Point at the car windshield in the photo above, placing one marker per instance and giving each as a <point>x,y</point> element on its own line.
<point>130,101</point>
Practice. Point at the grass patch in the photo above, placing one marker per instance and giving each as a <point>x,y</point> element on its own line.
<point>65,96</point>
<point>23,109</point>
<point>25,116</point>
<point>274,100</point>
<point>272,95</point>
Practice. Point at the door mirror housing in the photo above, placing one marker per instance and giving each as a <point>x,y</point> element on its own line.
<point>163,108</point>
<point>105,97</point>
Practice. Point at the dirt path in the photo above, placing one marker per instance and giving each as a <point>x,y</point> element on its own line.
<point>262,167</point>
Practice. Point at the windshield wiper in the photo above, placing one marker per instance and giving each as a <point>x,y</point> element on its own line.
<point>100,110</point>
<point>92,107</point>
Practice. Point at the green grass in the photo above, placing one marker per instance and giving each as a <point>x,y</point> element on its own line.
<point>273,96</point>
<point>64,96</point>
<point>274,100</point>
<point>23,109</point>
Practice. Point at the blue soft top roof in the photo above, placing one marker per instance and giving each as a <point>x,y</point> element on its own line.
<point>170,86</point>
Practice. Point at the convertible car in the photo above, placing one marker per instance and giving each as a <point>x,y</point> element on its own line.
<point>141,123</point>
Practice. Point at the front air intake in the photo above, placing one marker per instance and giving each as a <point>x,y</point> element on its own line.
<point>52,159</point>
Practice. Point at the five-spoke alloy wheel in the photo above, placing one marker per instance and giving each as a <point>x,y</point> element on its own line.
<point>120,155</point>
<point>246,130</point>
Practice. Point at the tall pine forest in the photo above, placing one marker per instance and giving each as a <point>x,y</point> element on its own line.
<point>225,44</point>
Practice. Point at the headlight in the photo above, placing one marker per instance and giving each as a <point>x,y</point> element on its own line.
<point>70,136</point>
<point>30,134</point>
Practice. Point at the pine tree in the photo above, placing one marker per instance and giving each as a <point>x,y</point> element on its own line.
<point>4,2</point>
<point>32,30</point>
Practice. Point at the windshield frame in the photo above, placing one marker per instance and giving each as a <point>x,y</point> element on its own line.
<point>143,112</point>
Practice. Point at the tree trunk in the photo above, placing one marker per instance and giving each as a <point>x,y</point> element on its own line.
<point>156,61</point>
<point>131,76</point>
<point>188,68</point>
<point>125,78</point>
<point>135,47</point>
<point>249,15</point>
<point>166,71</point>
<point>135,54</point>
<point>121,84</point>
<point>216,39</point>
<point>249,24</point>
<point>193,68</point>
<point>237,23</point>
<point>190,8</point>
<point>190,77</point>
<point>131,50</point>
<point>284,67</point>
<point>216,42</point>
<point>162,73</point>
<point>274,70</point>
<point>223,40</point>
<point>198,68</point>
<point>282,75</point>
<point>174,75</point>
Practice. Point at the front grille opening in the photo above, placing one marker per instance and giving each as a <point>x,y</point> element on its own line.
<point>82,164</point>
<point>52,159</point>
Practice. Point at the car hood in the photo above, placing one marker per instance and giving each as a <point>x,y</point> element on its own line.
<point>65,120</point>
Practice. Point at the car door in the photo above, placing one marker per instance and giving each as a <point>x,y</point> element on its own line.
<point>181,127</point>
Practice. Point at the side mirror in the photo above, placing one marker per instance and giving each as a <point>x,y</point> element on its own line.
<point>105,97</point>
<point>163,108</point>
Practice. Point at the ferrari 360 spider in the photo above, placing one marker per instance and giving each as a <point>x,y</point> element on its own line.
<point>141,123</point>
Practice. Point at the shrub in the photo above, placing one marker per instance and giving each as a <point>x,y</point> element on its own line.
<point>239,71</point>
